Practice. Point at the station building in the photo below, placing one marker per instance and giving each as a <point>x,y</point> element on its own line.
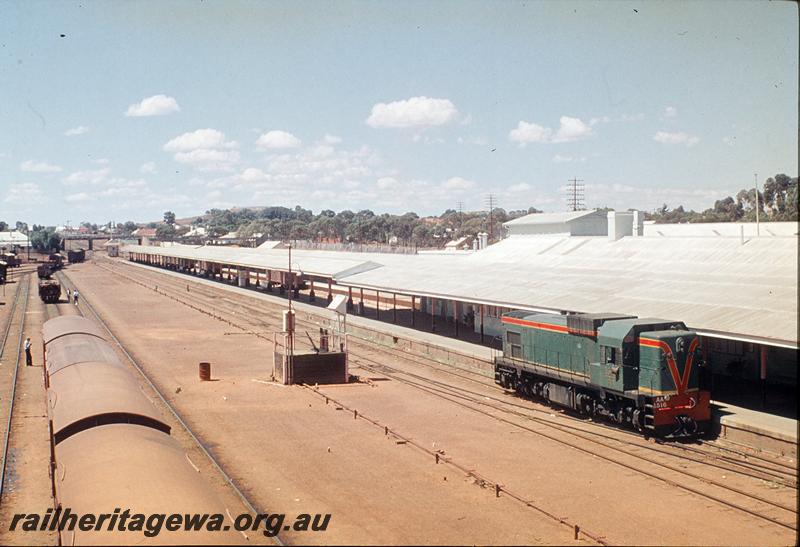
<point>734,283</point>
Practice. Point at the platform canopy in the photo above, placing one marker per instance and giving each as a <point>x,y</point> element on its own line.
<point>721,286</point>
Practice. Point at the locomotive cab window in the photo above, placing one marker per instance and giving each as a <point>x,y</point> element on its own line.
<point>611,355</point>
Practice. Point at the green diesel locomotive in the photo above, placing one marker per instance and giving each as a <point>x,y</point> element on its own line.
<point>644,373</point>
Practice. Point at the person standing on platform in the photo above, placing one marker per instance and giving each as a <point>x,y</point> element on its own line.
<point>28,356</point>
<point>75,295</point>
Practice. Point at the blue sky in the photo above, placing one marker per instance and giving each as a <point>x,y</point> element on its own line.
<point>394,106</point>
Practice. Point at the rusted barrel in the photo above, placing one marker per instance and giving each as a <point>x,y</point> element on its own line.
<point>205,372</point>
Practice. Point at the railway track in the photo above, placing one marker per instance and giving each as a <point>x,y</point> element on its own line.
<point>85,306</point>
<point>511,411</point>
<point>19,307</point>
<point>745,460</point>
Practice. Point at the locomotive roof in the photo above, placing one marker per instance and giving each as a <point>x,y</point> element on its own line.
<point>669,333</point>
<point>550,318</point>
<point>612,333</point>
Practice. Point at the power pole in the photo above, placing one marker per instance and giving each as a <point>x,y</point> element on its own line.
<point>575,194</point>
<point>491,203</point>
<point>460,216</point>
<point>758,227</point>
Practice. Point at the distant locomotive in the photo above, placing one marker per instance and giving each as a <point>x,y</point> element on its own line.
<point>56,261</point>
<point>49,290</point>
<point>76,256</point>
<point>638,372</point>
<point>44,271</point>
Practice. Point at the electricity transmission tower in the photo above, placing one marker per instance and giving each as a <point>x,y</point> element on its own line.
<point>575,195</point>
<point>491,203</point>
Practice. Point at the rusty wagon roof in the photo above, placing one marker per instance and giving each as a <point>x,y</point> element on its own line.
<point>138,468</point>
<point>70,324</point>
<point>81,396</point>
<point>72,349</point>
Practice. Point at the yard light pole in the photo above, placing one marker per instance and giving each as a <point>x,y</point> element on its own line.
<point>758,227</point>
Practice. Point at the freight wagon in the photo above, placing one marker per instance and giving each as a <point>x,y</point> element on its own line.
<point>76,256</point>
<point>11,260</point>
<point>49,290</point>
<point>643,373</point>
<point>111,447</point>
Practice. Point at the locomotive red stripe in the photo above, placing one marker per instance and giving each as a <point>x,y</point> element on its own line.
<point>543,326</point>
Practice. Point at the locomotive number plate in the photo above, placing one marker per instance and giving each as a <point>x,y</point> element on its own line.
<point>661,402</point>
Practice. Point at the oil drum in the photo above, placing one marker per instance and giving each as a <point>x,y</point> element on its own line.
<point>205,371</point>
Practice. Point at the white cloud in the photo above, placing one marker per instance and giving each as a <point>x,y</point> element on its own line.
<point>730,141</point>
<point>518,188</point>
<point>387,183</point>
<point>413,112</point>
<point>570,129</point>
<point>600,119</point>
<point>558,158</point>
<point>277,139</point>
<point>622,196</point>
<point>632,117</point>
<point>670,112</point>
<point>331,139</point>
<point>24,193</point>
<point>205,150</point>
<point>201,138</point>
<point>207,159</point>
<point>149,168</point>
<point>80,197</point>
<point>251,174</point>
<point>80,130</point>
<point>89,176</point>
<point>31,166</point>
<point>666,137</point>
<point>102,161</point>
<point>157,105</point>
<point>478,141</point>
<point>458,183</point>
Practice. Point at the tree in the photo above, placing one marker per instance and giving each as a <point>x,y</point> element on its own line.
<point>129,227</point>
<point>3,226</point>
<point>45,239</point>
<point>169,218</point>
<point>21,226</point>
<point>165,232</point>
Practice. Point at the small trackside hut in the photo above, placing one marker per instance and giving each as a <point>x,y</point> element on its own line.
<point>644,373</point>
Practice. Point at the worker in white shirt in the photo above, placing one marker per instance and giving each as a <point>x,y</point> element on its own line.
<point>28,356</point>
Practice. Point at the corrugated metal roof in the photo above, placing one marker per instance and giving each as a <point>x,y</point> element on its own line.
<point>551,218</point>
<point>70,324</point>
<point>72,349</point>
<point>721,229</point>
<point>96,389</point>
<point>137,468</point>
<point>712,284</point>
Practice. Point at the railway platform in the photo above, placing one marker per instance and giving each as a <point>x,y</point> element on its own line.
<point>757,430</point>
<point>761,430</point>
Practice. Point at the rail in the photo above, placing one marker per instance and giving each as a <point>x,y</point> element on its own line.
<point>25,294</point>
